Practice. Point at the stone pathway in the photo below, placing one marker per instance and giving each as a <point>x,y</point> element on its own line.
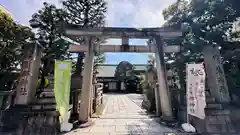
<point>123,117</point>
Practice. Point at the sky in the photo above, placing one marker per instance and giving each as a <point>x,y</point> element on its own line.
<point>121,13</point>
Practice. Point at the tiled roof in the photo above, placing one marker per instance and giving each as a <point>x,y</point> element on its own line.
<point>107,70</point>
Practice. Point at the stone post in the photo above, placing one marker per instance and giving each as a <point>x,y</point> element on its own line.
<point>150,77</point>
<point>157,100</point>
<point>215,74</point>
<point>86,93</point>
<point>165,98</point>
<point>28,79</point>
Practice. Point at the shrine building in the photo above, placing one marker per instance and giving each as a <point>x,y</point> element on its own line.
<point>106,74</point>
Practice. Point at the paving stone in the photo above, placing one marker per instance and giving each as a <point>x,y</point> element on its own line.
<point>120,122</point>
<point>123,128</point>
<point>103,129</point>
<point>105,122</point>
<point>123,117</point>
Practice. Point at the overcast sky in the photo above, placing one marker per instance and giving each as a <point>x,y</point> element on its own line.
<point>121,13</point>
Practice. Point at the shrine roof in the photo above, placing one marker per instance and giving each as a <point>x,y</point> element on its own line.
<point>108,70</point>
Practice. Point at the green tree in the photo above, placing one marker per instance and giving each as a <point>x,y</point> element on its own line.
<point>13,38</point>
<point>100,59</point>
<point>124,71</point>
<point>46,23</point>
<point>208,23</point>
<point>87,13</point>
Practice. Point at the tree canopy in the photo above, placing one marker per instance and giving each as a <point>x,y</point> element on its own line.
<point>124,71</point>
<point>86,13</point>
<point>208,23</point>
<point>46,22</point>
<point>13,37</point>
<point>46,32</point>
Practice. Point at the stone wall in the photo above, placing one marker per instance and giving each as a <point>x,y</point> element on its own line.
<point>22,121</point>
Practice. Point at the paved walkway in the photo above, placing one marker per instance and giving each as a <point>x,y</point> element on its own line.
<point>123,117</point>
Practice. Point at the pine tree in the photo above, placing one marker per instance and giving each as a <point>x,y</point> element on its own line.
<point>49,35</point>
<point>87,13</point>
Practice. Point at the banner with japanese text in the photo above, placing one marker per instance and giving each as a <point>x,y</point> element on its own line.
<point>62,78</point>
<point>196,100</point>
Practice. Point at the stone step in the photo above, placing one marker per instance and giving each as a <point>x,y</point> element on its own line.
<point>50,86</point>
<point>219,124</point>
<point>217,112</point>
<point>34,112</point>
<point>51,112</point>
<point>31,109</point>
<point>46,100</point>
<point>43,107</point>
<point>208,107</point>
<point>210,99</point>
<point>214,106</point>
<point>47,94</point>
<point>48,90</point>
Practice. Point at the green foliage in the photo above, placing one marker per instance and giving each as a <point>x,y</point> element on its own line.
<point>99,59</point>
<point>87,13</point>
<point>124,71</point>
<point>144,84</point>
<point>207,23</point>
<point>6,80</point>
<point>46,23</point>
<point>13,37</point>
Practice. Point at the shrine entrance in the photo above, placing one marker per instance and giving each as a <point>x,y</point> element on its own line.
<point>156,45</point>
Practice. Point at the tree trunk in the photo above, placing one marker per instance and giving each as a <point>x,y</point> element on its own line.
<point>79,64</point>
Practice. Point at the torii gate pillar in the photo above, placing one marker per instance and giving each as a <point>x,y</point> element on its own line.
<point>86,94</point>
<point>164,93</point>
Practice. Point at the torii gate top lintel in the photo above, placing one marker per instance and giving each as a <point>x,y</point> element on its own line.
<point>120,32</point>
<point>124,33</point>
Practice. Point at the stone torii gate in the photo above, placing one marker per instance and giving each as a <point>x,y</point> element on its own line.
<point>157,35</point>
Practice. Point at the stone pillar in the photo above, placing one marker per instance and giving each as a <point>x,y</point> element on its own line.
<point>150,77</point>
<point>87,84</point>
<point>215,74</point>
<point>165,98</point>
<point>28,79</point>
<point>157,100</point>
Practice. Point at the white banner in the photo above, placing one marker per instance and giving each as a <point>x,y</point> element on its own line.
<point>196,100</point>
